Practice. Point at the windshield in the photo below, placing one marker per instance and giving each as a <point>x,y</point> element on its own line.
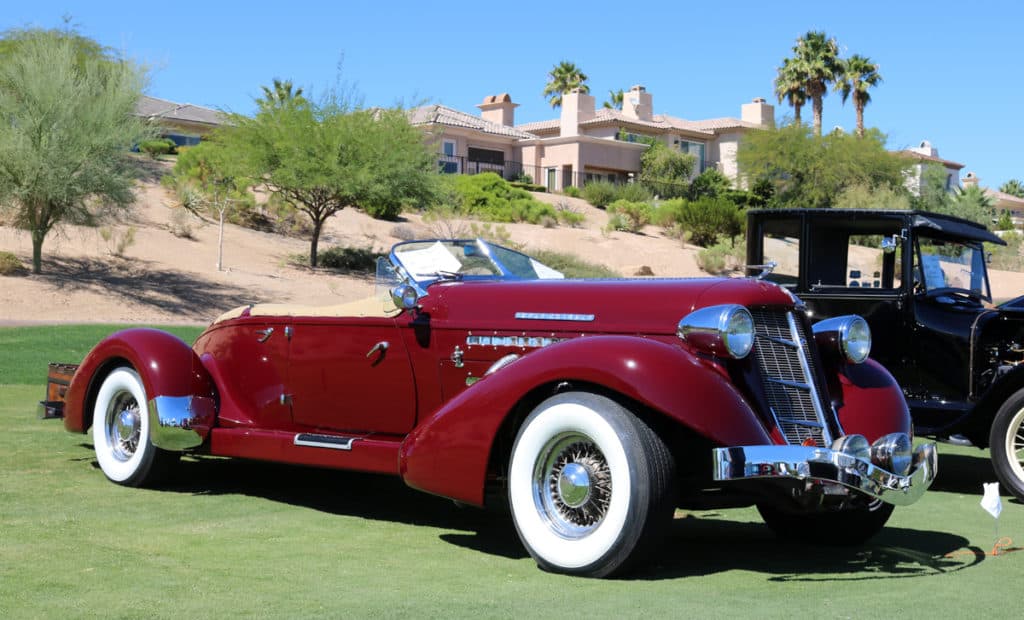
<point>425,262</point>
<point>954,266</point>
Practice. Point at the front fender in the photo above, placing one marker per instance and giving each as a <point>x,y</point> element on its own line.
<point>448,453</point>
<point>181,393</point>
<point>872,403</point>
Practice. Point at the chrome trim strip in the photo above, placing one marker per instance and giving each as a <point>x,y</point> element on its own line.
<point>172,418</point>
<point>522,342</point>
<point>807,423</point>
<point>553,316</point>
<point>806,368</point>
<point>802,464</point>
<point>308,440</point>
<point>782,341</point>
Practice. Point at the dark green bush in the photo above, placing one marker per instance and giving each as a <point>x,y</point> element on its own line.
<point>705,219</point>
<point>600,193</point>
<point>631,216</point>
<point>155,148</point>
<point>710,183</point>
<point>489,197</point>
<point>530,187</point>
<point>349,259</point>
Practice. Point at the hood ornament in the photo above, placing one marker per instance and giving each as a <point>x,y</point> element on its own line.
<point>765,269</point>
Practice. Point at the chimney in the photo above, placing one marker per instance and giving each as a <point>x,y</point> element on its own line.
<point>970,180</point>
<point>759,112</point>
<point>926,149</point>
<point>638,103</point>
<point>576,108</point>
<point>498,109</point>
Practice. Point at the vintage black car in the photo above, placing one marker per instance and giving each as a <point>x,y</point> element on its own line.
<point>920,280</point>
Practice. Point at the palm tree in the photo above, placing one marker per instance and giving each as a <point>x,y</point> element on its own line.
<point>817,59</point>
<point>614,100</point>
<point>282,92</point>
<point>858,75</point>
<point>789,86</point>
<point>1013,187</point>
<point>564,77</point>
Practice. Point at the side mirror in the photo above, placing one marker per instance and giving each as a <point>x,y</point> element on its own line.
<point>404,297</point>
<point>889,244</point>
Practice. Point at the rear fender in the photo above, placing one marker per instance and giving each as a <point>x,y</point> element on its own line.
<point>448,453</point>
<point>181,394</point>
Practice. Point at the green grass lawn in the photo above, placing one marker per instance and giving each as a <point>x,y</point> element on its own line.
<point>236,538</point>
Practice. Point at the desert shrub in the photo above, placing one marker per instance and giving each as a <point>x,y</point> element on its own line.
<point>444,222</point>
<point>705,219</point>
<point>387,210</point>
<point>156,148</point>
<point>1005,222</point>
<point>572,191</point>
<point>568,214</point>
<point>571,265</point>
<point>548,222</point>
<point>181,223</point>
<point>348,259</point>
<point>10,265</point>
<point>720,258</point>
<point>1008,257</point>
<point>118,241</point>
<point>491,198</point>
<point>631,216</point>
<point>493,233</point>
<point>599,193</point>
<point>405,232</point>
<point>522,177</point>
<point>632,192</point>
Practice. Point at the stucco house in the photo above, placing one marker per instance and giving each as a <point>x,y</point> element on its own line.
<point>584,143</point>
<point>1001,201</point>
<point>924,155</point>
<point>184,123</point>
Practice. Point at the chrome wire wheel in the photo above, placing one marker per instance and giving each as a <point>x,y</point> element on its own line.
<point>123,425</point>
<point>1014,438</point>
<point>572,485</point>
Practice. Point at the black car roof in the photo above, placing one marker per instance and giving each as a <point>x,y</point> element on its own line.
<point>948,225</point>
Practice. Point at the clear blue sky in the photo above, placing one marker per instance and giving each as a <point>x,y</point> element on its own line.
<point>954,71</point>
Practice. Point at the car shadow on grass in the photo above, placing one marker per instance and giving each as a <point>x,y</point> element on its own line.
<point>697,545</point>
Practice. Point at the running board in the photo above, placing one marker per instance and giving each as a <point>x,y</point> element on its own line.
<point>332,442</point>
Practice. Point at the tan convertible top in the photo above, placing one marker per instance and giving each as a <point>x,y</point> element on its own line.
<point>369,307</point>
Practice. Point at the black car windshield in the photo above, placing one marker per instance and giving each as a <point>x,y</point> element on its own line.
<point>954,266</point>
<point>425,262</point>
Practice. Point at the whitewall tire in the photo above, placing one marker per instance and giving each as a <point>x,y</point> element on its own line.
<point>121,433</point>
<point>591,487</point>
<point>1006,444</point>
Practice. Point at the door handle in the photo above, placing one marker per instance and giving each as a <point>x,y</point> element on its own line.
<point>380,347</point>
<point>264,334</point>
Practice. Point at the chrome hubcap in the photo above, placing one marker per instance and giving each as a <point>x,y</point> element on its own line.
<point>1015,444</point>
<point>124,425</point>
<point>572,485</point>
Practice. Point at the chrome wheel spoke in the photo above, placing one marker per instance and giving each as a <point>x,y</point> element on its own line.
<point>572,485</point>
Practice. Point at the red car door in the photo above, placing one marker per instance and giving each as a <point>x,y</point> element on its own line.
<point>351,375</point>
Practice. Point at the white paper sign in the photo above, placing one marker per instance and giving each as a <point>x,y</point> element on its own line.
<point>991,501</point>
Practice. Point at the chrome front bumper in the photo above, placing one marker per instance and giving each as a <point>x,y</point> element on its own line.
<point>824,471</point>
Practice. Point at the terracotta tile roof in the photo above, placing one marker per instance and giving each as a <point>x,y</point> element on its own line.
<point>1004,197</point>
<point>154,108</point>
<point>603,116</point>
<point>443,115</point>
<point>540,125</point>
<point>916,155</point>
<point>718,124</point>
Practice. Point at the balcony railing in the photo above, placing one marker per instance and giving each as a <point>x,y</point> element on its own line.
<point>553,178</point>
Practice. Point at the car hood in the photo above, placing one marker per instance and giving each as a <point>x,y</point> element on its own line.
<point>601,306</point>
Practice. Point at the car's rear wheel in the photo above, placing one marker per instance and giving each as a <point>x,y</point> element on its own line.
<point>853,526</point>
<point>121,433</point>
<point>591,487</point>
<point>1006,444</point>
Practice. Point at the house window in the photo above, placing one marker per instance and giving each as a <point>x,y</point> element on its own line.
<point>693,148</point>
<point>487,156</point>
<point>449,162</point>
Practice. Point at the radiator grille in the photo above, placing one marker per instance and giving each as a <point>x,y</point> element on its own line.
<point>787,376</point>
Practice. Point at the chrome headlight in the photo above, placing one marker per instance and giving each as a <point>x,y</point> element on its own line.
<point>893,452</point>
<point>726,330</point>
<point>855,445</point>
<point>849,336</point>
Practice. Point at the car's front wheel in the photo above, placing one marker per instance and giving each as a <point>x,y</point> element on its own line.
<point>1006,444</point>
<point>852,526</point>
<point>121,433</point>
<point>591,487</point>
